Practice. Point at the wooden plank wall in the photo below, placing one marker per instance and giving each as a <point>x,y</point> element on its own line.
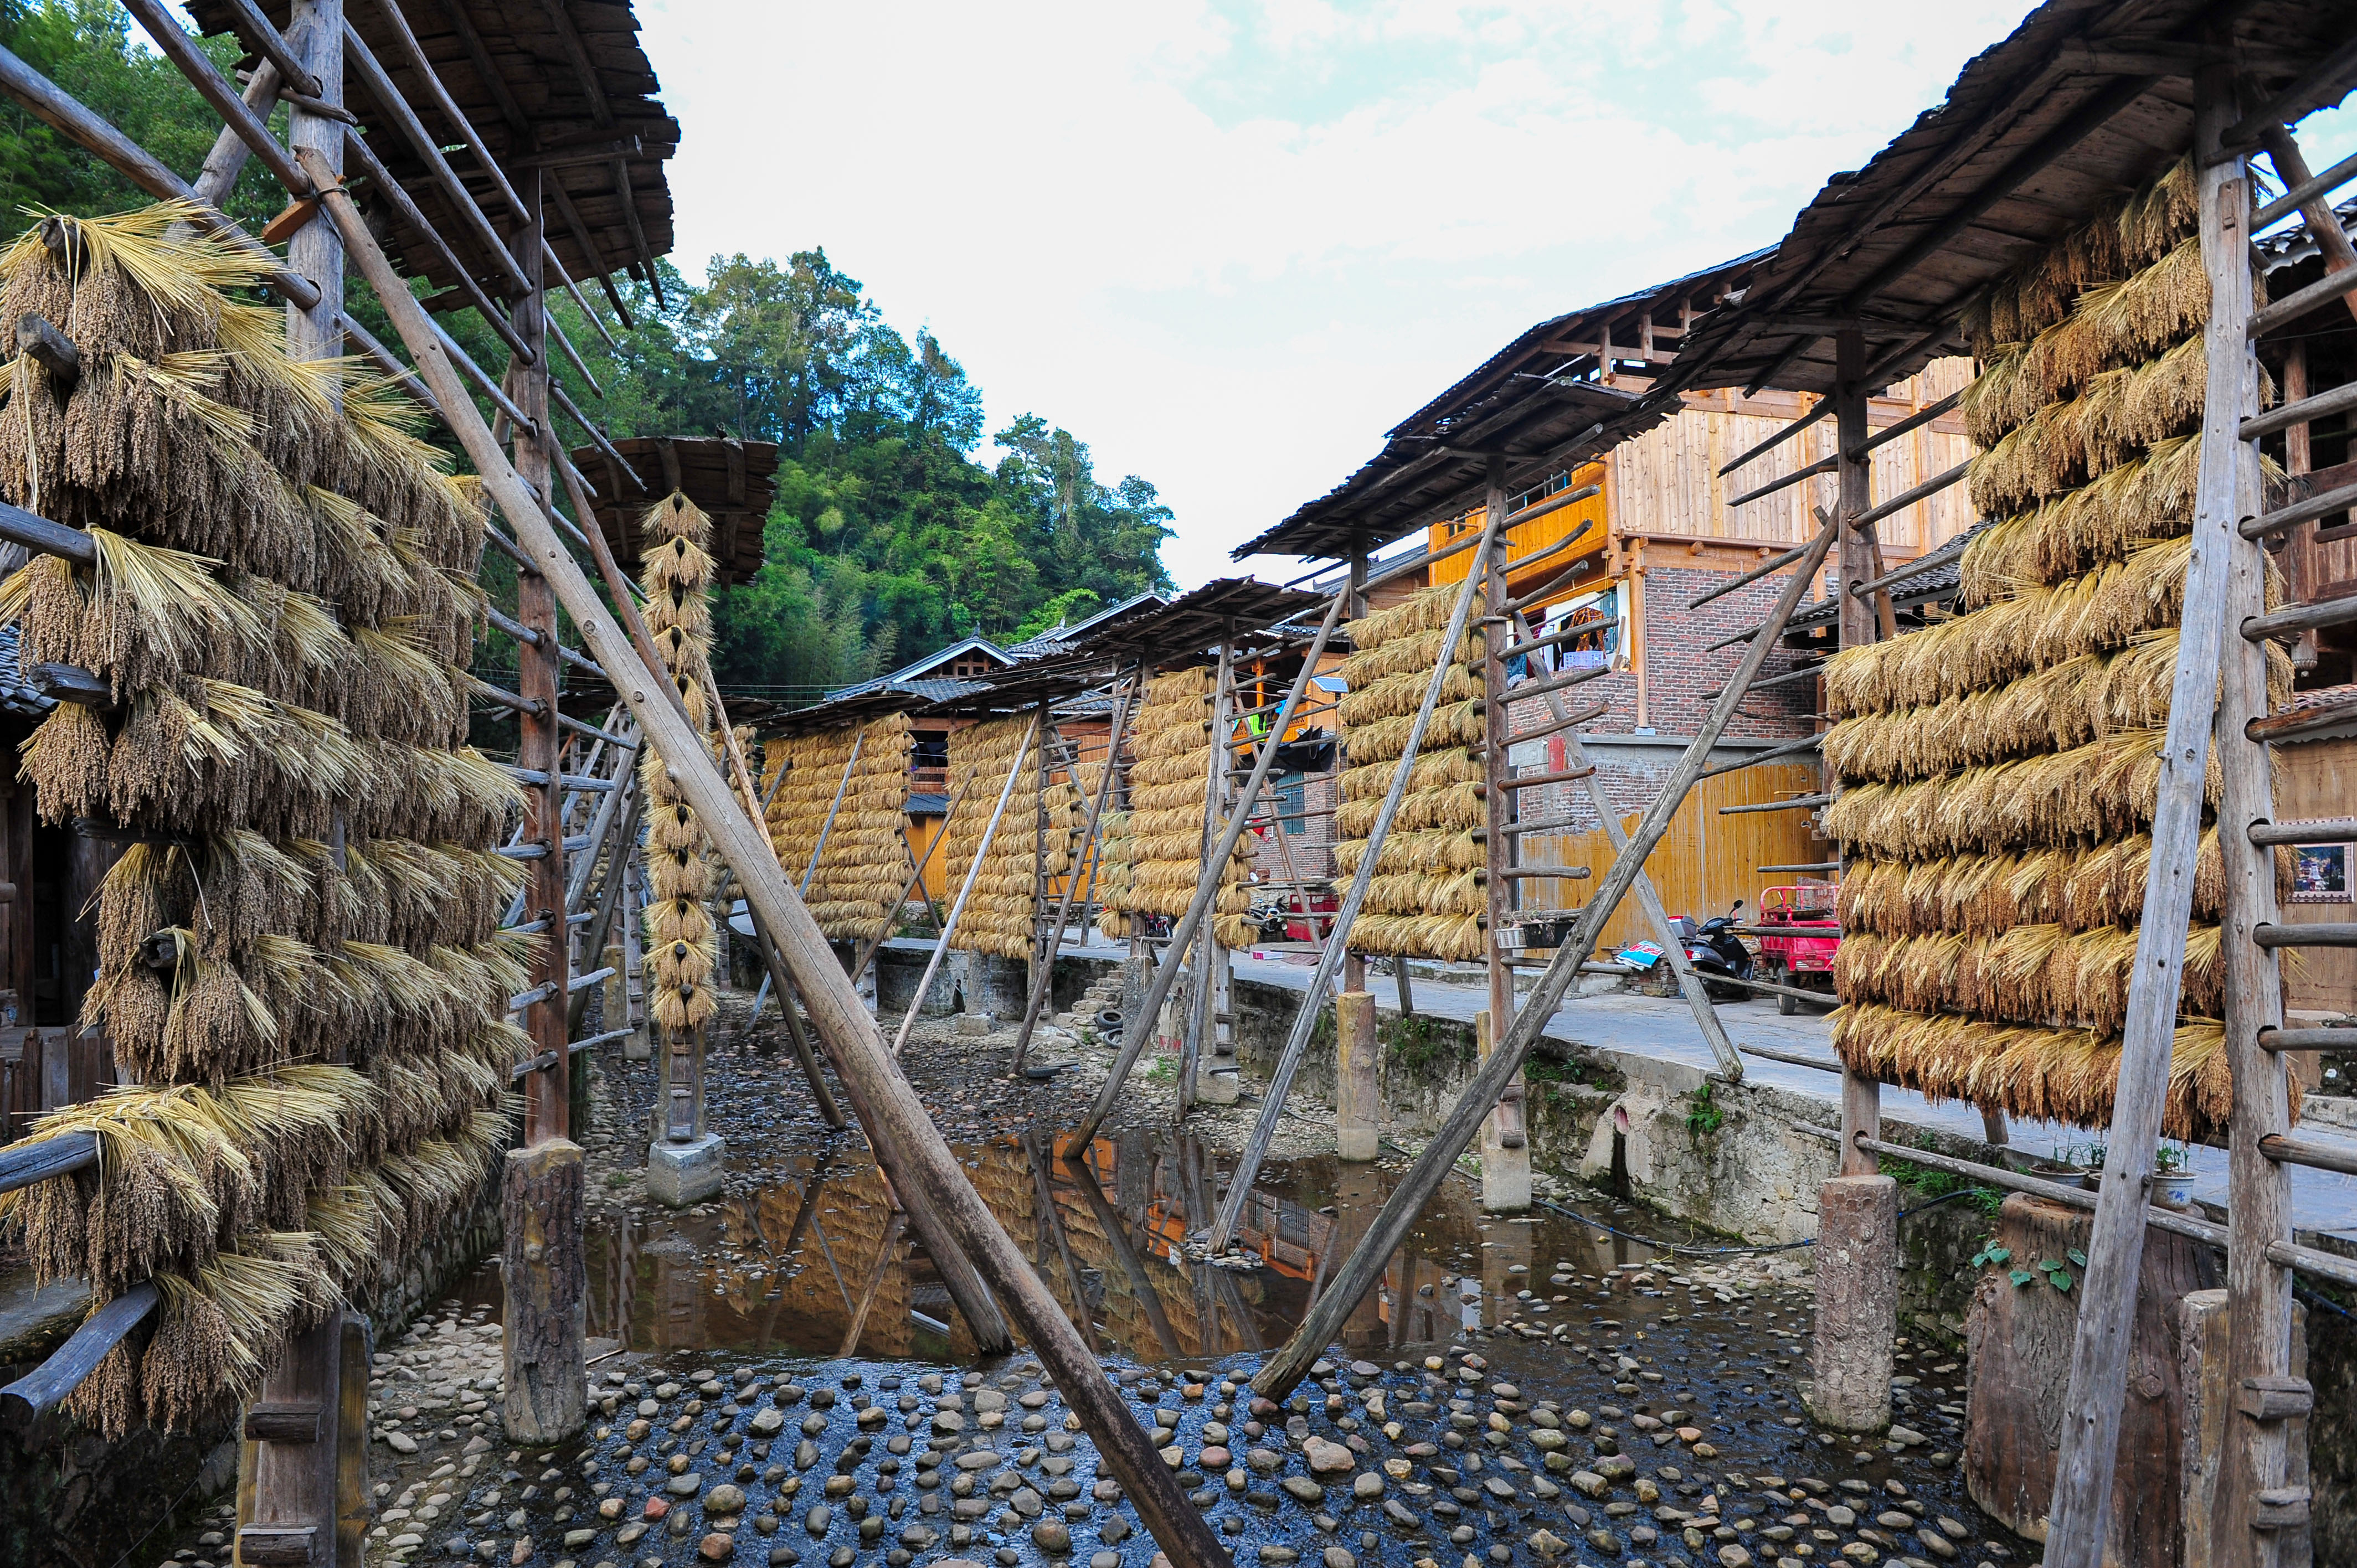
<point>1525,540</point>
<point>1667,481</point>
<point>2312,780</point>
<point>1703,863</point>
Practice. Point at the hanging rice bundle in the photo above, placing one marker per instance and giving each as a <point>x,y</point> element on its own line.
<point>1426,898</point>
<point>281,603</point>
<point>1998,772</point>
<point>683,946</point>
<point>1158,843</point>
<point>1001,914</point>
<point>855,881</point>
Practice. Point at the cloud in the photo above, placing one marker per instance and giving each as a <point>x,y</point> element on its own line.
<point>1228,243</point>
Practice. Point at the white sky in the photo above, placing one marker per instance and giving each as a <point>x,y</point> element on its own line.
<point>1228,244</point>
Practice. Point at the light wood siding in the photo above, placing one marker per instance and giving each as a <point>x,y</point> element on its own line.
<point>1703,863</point>
<point>1525,540</point>
<point>1666,481</point>
<point>2312,780</point>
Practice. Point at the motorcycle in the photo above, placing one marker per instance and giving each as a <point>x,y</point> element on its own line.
<point>1714,948</point>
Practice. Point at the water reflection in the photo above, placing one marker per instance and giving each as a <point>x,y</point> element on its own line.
<point>822,1263</point>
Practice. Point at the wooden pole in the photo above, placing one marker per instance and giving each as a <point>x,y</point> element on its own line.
<point>1313,1000</point>
<point>1115,1229</point>
<point>1043,982</point>
<point>888,1107</point>
<point>2081,1512</point>
<point>916,876</point>
<point>885,1256</point>
<point>966,890</point>
<point>819,847</point>
<point>1281,1372</point>
<point>1166,972</point>
<point>1505,1139</point>
<point>1649,900</point>
<point>297,1485</point>
<point>1353,975</point>
<point>1195,1065</point>
<point>545,1387</point>
<point>1051,1225</point>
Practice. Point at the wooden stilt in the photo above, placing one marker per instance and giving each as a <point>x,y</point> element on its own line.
<point>1043,983</point>
<point>1314,999</point>
<point>887,1105</point>
<point>885,1256</point>
<point>1505,1143</point>
<point>1051,1226</point>
<point>1167,970</point>
<point>1210,1076</point>
<point>1141,1284</point>
<point>1282,1372</point>
<point>1358,1092</point>
<point>2225,490</point>
<point>1649,900</point>
<point>965,891</point>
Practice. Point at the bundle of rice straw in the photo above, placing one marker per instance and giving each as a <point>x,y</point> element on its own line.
<point>1155,848</point>
<point>854,888</point>
<point>683,945</point>
<point>1001,916</point>
<point>1426,898</point>
<point>1998,772</point>
<point>283,604</point>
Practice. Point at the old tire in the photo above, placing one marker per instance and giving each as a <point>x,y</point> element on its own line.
<point>1787,1005</point>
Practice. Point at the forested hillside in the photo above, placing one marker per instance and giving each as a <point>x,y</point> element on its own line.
<point>891,537</point>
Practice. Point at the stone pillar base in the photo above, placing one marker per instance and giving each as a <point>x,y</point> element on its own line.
<point>683,1173</point>
<point>1857,1302</point>
<point>1505,1171</point>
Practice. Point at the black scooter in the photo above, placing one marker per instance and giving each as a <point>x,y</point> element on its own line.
<point>1713,950</point>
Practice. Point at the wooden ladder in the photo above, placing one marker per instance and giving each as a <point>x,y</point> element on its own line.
<point>2262,1495</point>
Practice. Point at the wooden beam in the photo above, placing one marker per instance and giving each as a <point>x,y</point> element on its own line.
<point>219,93</point>
<point>58,109</point>
<point>965,889</point>
<point>891,1110</point>
<point>1283,1371</point>
<point>1043,984</point>
<point>1314,998</point>
<point>2080,1510</point>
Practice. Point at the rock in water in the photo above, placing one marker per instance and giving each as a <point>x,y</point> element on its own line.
<point>1326,1457</point>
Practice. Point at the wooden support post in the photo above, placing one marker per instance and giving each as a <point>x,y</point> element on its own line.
<point>1043,982</point>
<point>1167,970</point>
<point>2265,1453</point>
<point>296,1484</point>
<point>885,1256</point>
<point>1314,999</point>
<point>2225,489</point>
<point>1358,1087</point>
<point>1505,1143</point>
<point>1281,1372</point>
<point>1673,952</point>
<point>545,1280</point>
<point>542,1194</point>
<point>888,1107</point>
<point>638,1047</point>
<point>1353,975</point>
<point>1212,1081</point>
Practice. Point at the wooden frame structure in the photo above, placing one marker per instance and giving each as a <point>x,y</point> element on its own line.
<point>2082,101</point>
<point>303,1506</point>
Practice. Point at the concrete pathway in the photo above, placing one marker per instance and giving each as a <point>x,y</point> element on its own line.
<point>1664,1029</point>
